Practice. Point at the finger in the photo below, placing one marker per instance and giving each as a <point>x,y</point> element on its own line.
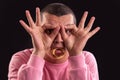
<point>25,26</point>
<point>29,18</point>
<point>89,26</point>
<point>38,18</point>
<point>54,33</point>
<point>82,21</point>
<point>93,32</point>
<point>63,32</point>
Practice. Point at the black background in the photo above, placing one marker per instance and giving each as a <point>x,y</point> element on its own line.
<point>104,45</point>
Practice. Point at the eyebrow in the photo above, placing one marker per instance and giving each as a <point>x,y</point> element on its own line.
<point>68,26</point>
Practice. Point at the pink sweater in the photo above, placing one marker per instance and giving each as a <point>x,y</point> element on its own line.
<point>26,66</point>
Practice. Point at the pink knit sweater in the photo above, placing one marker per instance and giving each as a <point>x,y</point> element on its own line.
<point>26,66</point>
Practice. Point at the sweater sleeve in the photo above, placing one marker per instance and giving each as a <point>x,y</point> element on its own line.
<point>83,67</point>
<point>31,70</point>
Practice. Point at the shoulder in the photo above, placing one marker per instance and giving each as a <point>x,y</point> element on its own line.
<point>89,57</point>
<point>22,55</point>
<point>87,54</point>
<point>25,52</point>
<point>19,58</point>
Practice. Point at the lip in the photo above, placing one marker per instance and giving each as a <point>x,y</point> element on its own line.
<point>58,50</point>
<point>58,53</point>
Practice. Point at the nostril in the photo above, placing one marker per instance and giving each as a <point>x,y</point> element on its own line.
<point>56,42</point>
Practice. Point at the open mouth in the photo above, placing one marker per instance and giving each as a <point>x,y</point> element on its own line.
<point>58,53</point>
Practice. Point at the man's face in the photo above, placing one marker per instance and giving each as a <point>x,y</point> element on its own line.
<point>55,21</point>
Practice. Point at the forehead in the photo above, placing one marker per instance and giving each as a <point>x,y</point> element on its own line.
<point>53,19</point>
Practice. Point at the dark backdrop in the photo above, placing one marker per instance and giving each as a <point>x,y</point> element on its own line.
<point>104,45</point>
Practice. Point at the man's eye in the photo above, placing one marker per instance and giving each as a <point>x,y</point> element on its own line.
<point>68,31</point>
<point>48,31</point>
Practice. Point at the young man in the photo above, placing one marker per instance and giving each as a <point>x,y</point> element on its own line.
<point>58,44</point>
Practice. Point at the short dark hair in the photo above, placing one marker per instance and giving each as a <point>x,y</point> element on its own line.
<point>58,9</point>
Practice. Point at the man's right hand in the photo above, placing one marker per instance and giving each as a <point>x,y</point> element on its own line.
<point>40,39</point>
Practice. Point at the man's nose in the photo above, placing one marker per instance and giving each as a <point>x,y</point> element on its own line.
<point>58,38</point>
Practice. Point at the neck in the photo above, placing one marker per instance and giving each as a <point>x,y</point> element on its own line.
<point>56,61</point>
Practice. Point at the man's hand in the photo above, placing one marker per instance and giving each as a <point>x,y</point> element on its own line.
<point>76,39</point>
<point>40,39</point>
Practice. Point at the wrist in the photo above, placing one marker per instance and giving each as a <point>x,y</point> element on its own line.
<point>40,53</point>
<point>75,53</point>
